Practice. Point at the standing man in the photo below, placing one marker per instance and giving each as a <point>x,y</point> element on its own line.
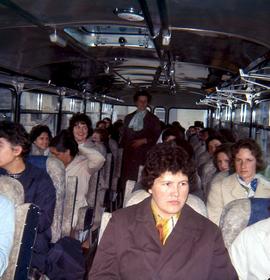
<point>140,132</point>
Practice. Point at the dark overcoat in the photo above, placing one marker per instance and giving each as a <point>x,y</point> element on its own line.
<point>130,248</point>
<point>133,158</point>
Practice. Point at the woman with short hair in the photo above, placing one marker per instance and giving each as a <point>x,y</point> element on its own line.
<point>245,182</point>
<point>162,237</point>
<point>40,136</point>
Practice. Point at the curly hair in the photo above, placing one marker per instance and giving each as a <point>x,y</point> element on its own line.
<point>254,148</point>
<point>80,118</point>
<point>225,148</point>
<point>142,93</point>
<point>165,157</point>
<point>37,130</point>
<point>16,135</point>
<point>104,135</point>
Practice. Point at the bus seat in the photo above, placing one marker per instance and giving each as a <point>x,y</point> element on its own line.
<point>193,201</point>
<point>241,213</point>
<point>26,222</point>
<point>117,169</point>
<point>140,172</point>
<point>12,189</point>
<point>25,233</point>
<point>69,205</point>
<point>106,216</point>
<point>128,190</point>
<point>56,170</point>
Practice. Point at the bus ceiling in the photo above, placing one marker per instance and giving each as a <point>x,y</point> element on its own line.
<point>186,49</point>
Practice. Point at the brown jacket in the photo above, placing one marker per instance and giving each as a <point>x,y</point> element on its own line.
<point>130,248</point>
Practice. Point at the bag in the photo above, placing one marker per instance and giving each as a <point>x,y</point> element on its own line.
<point>65,260</point>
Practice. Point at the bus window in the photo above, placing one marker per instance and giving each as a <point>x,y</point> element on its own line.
<point>121,111</point>
<point>5,105</point>
<point>160,113</point>
<point>107,110</point>
<point>186,117</point>
<point>39,108</point>
<point>93,111</point>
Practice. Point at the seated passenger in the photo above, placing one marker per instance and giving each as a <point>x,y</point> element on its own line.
<point>162,237</point>
<point>82,165</point>
<point>7,227</point>
<point>38,186</point>
<point>40,136</point>
<point>80,127</point>
<point>250,252</point>
<point>245,182</point>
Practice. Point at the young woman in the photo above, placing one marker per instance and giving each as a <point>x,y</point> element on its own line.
<point>40,136</point>
<point>245,182</point>
<point>38,186</point>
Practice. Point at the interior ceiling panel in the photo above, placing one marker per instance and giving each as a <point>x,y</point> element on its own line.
<point>210,41</point>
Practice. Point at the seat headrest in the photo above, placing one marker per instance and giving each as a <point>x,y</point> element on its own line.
<point>12,189</point>
<point>136,197</point>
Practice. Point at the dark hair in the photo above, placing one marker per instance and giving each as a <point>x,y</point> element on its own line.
<point>209,139</point>
<point>16,135</point>
<point>172,131</point>
<point>254,148</point>
<point>80,118</point>
<point>142,93</point>
<point>165,157</point>
<point>100,122</point>
<point>37,130</point>
<point>225,148</point>
<point>104,135</point>
<point>64,141</point>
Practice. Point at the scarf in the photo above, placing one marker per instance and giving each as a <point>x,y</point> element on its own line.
<point>136,122</point>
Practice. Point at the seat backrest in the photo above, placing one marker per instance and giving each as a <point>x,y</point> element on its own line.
<point>25,234</point>
<point>56,170</point>
<point>106,216</point>
<point>117,169</point>
<point>128,190</point>
<point>140,173</point>
<point>12,189</point>
<point>69,205</point>
<point>26,222</point>
<point>241,213</point>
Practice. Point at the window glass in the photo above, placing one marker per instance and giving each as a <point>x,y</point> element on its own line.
<point>72,105</point>
<point>120,111</point>
<point>160,112</point>
<point>262,113</point>
<point>93,112</point>
<point>30,120</point>
<point>39,102</point>
<point>186,117</point>
<point>5,99</point>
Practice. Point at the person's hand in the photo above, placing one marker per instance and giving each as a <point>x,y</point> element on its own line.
<point>138,142</point>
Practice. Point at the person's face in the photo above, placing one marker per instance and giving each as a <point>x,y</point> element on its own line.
<point>107,123</point>
<point>142,103</point>
<point>8,154</point>
<point>96,137</point>
<point>65,157</point>
<point>212,146</point>
<point>42,141</point>
<point>102,125</point>
<point>80,132</point>
<point>245,164</point>
<point>169,193</point>
<point>223,162</point>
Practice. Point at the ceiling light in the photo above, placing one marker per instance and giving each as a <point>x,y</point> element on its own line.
<point>129,14</point>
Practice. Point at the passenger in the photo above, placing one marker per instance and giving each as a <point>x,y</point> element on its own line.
<point>222,160</point>
<point>82,165</point>
<point>244,183</point>
<point>7,228</point>
<point>101,124</point>
<point>100,136</point>
<point>117,128</point>
<point>80,126</point>
<point>40,136</point>
<point>162,237</point>
<point>250,252</point>
<point>140,132</point>
<point>38,186</point>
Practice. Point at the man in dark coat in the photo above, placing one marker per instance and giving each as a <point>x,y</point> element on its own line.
<point>140,132</point>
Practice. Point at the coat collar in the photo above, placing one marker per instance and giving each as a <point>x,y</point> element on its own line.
<point>186,232</point>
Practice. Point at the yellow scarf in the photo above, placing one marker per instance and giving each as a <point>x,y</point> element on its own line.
<point>163,225</point>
